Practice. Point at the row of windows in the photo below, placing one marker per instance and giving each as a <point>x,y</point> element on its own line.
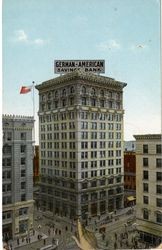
<point>82,115</point>
<point>85,174</point>
<point>158,162</point>
<point>93,164</point>
<point>146,175</point>
<point>72,155</point>
<point>84,101</point>
<point>84,125</point>
<point>83,135</point>
<point>84,90</point>
<point>7,174</point>
<point>158,149</point>
<point>8,199</point>
<point>146,216</point>
<point>72,145</point>
<point>9,136</point>
<point>84,185</point>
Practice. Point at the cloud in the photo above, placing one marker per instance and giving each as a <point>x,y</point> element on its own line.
<point>109,45</point>
<point>136,47</point>
<point>21,37</point>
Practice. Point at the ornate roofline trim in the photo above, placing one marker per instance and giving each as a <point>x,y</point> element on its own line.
<point>148,136</point>
<point>83,76</point>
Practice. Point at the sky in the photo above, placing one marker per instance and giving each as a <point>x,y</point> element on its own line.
<point>126,34</point>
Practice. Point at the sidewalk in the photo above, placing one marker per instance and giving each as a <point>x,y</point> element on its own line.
<point>21,242</point>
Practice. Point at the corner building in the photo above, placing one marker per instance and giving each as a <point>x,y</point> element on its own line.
<point>149,187</point>
<point>17,176</point>
<point>81,145</point>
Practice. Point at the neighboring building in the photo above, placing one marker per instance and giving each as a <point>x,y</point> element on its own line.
<point>129,173</point>
<point>81,145</point>
<point>129,146</point>
<point>17,173</point>
<point>149,186</point>
<point>130,177</point>
<point>36,165</point>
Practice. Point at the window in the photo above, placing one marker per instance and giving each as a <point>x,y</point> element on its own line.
<point>71,90</point>
<point>159,217</point>
<point>159,163</point>
<point>159,176</point>
<point>23,161</point>
<point>159,149</point>
<point>145,149</point>
<point>94,184</point>
<point>84,90</point>
<point>145,162</point>
<point>145,175</point>
<point>23,173</point>
<point>23,197</point>
<point>23,148</point>
<point>23,185</point>
<point>102,103</point>
<point>145,187</point>
<point>84,185</point>
<point>93,92</point>
<point>23,211</point>
<point>102,182</point>
<point>159,189</point>
<point>145,214</point>
<point>145,200</point>
<point>84,101</point>
<point>93,102</point>
<point>159,202</point>
<point>23,136</point>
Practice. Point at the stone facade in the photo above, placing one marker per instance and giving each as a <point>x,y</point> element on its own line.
<point>149,186</point>
<point>81,145</point>
<point>17,175</point>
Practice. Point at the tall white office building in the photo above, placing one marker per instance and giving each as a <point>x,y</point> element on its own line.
<point>149,187</point>
<point>81,145</point>
<point>17,176</point>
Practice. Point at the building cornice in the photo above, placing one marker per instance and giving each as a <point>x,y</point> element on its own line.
<point>17,117</point>
<point>148,136</point>
<point>79,75</point>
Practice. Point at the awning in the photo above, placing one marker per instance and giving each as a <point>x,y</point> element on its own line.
<point>131,198</point>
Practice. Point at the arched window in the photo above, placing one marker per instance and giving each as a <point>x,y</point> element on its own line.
<point>102,92</point>
<point>56,93</point>
<point>64,92</point>
<point>49,95</point>
<point>83,89</point>
<point>72,90</point>
<point>93,91</point>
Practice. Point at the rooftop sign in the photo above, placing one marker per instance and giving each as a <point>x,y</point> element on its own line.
<point>67,66</point>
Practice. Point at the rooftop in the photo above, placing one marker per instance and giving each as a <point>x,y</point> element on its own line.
<point>83,76</point>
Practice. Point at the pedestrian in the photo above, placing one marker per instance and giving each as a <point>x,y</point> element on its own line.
<point>115,236</point>
<point>17,241</point>
<point>33,232</point>
<point>29,239</point>
<point>59,232</point>
<point>26,239</point>
<point>49,231</point>
<point>115,245</point>
<point>66,228</point>
<point>10,246</point>
<point>44,241</point>
<point>56,231</point>
<point>103,236</point>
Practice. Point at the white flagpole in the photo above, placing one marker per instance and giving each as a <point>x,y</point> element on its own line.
<point>33,99</point>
